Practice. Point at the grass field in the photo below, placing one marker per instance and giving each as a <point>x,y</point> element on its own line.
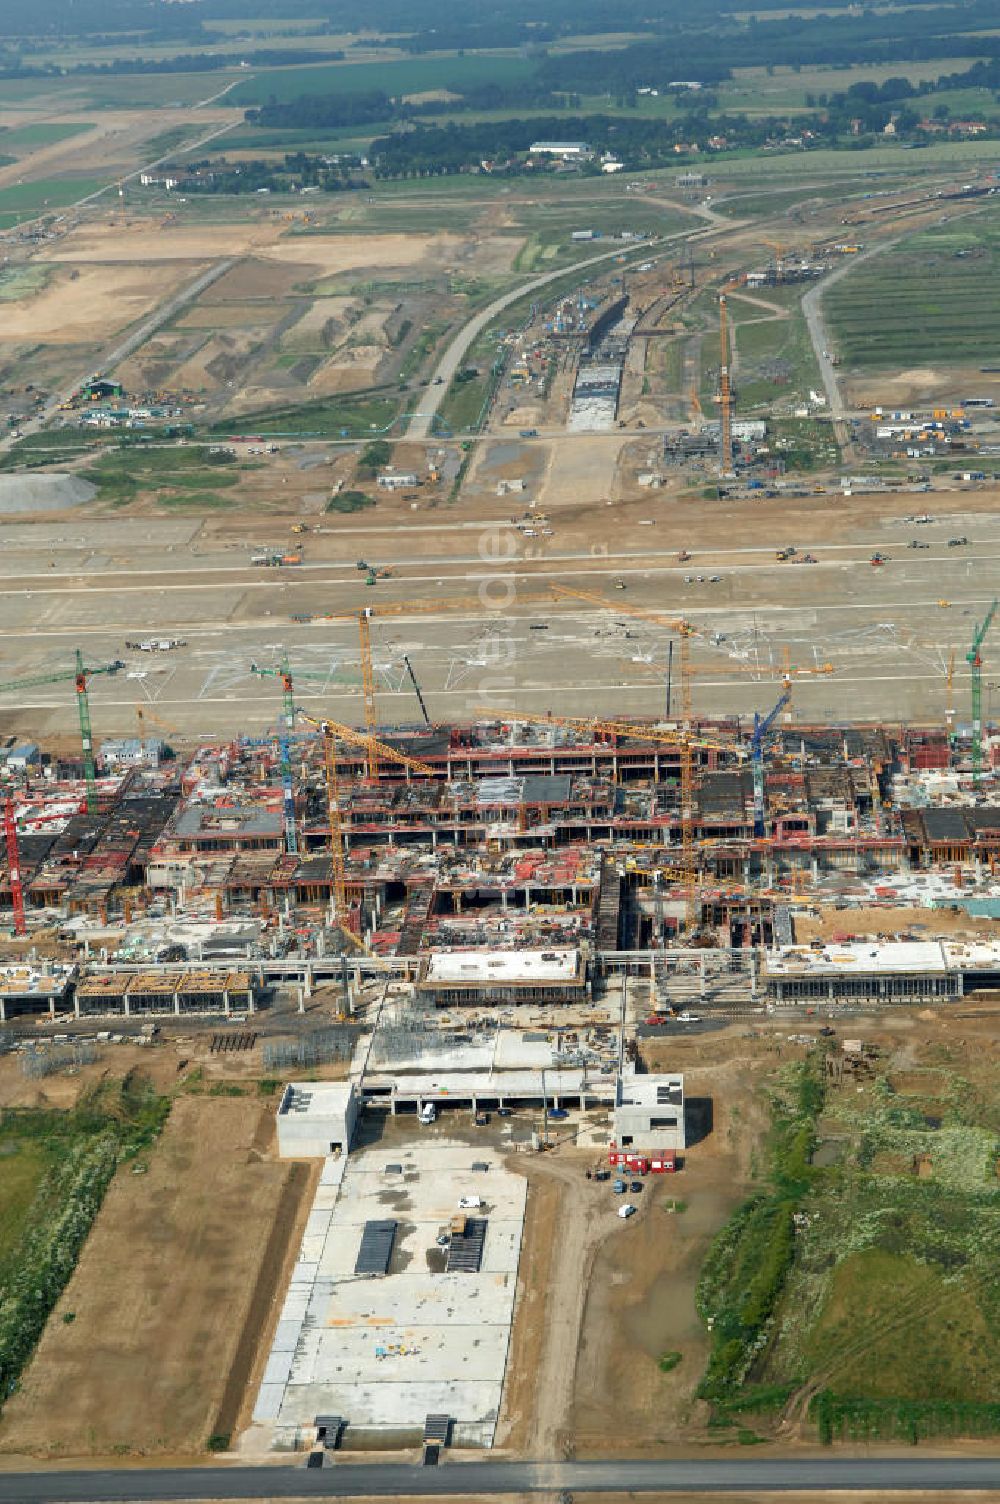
<point>27,200</point>
<point>179,477</point>
<point>757,91</point>
<point>332,417</point>
<point>24,1161</point>
<point>22,138</point>
<point>861,1285</point>
<point>56,1169</point>
<point>775,357</point>
<point>932,301</point>
<point>406,76</point>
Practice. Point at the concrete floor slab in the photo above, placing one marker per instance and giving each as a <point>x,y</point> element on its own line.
<point>386,1351</point>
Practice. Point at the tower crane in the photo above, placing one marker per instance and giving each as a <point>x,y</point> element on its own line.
<point>338,871</point>
<point>14,866</point>
<point>417,690</point>
<point>80,675</point>
<point>346,733</point>
<point>364,618</point>
<point>760,729</point>
<point>284,746</point>
<point>975,661</point>
<point>725,391</point>
<point>685,631</point>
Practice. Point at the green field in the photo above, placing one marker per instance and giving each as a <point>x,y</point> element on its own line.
<point>763,91</point>
<point>179,476</point>
<point>22,138</point>
<point>23,1163</point>
<point>932,300</point>
<point>859,1284</point>
<point>362,416</point>
<point>406,76</point>
<point>775,358</point>
<point>28,200</point>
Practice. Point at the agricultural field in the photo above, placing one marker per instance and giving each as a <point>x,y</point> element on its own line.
<point>855,1293</point>
<point>766,91</point>
<point>24,138</point>
<point>26,200</point>
<point>931,301</point>
<point>400,78</point>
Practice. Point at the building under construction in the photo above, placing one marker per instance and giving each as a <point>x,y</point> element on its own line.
<point>518,838</point>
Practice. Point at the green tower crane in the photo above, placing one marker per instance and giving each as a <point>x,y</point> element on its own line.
<point>80,675</point>
<point>284,673</point>
<point>975,661</point>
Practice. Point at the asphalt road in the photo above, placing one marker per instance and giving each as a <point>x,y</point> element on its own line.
<point>464,1480</point>
<point>430,402</point>
<point>817,330</point>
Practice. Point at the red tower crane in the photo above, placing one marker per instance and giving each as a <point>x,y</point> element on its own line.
<point>14,866</point>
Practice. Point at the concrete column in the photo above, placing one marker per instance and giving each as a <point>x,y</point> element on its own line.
<point>76,1006</point>
<point>225,1001</point>
<point>128,1011</point>
<point>702,976</point>
<point>308,980</point>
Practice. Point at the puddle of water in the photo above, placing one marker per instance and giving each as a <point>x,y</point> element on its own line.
<point>666,1315</point>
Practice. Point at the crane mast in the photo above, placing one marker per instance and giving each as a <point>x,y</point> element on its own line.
<point>368,685</point>
<point>760,730</point>
<point>725,392</point>
<point>417,690</point>
<point>14,866</point>
<point>974,659</point>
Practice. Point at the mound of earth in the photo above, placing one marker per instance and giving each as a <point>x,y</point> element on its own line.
<point>43,493</point>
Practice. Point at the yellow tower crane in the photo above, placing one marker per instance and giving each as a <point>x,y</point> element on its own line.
<point>364,618</point>
<point>725,391</point>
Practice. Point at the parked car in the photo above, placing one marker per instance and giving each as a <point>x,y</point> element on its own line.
<point>628,1210</point>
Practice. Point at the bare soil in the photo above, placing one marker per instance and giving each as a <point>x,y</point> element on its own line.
<point>174,1283</point>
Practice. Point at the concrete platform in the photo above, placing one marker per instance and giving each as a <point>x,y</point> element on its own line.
<point>384,1352</point>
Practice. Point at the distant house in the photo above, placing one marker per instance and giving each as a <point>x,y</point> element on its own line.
<point>692,180</point>
<point>397,480</point>
<point>566,151</point>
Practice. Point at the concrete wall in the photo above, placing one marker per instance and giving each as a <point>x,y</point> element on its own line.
<point>329,1120</point>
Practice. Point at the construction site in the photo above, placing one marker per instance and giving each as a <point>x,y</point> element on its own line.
<point>497,706</point>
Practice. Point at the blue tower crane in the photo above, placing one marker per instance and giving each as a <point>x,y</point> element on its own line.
<point>760,730</point>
